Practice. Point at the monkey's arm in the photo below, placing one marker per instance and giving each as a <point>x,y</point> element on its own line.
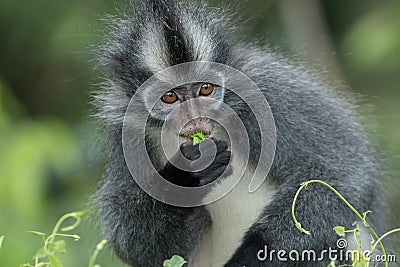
<point>318,137</point>
<point>141,230</point>
<point>317,209</point>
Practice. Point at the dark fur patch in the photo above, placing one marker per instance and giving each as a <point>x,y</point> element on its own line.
<point>178,49</point>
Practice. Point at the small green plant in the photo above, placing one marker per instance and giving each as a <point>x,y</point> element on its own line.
<point>47,256</point>
<point>363,260</point>
<point>197,137</point>
<point>175,261</point>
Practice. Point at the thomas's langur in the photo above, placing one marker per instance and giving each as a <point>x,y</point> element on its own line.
<point>318,136</point>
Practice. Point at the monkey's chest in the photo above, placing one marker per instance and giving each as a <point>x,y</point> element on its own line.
<point>231,216</point>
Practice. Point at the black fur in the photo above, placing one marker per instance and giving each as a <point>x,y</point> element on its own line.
<point>318,137</point>
<point>208,175</point>
<point>171,24</point>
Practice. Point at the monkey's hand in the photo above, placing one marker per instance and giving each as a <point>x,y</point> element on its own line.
<point>205,176</point>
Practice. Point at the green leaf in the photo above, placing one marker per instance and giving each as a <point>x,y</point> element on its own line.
<point>54,261</point>
<point>59,246</point>
<point>197,137</point>
<point>340,230</point>
<point>36,233</point>
<point>40,254</point>
<point>175,261</point>
<point>332,264</point>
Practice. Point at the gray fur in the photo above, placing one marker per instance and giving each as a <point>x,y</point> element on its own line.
<point>318,137</point>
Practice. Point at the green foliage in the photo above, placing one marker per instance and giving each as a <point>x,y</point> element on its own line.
<point>47,255</point>
<point>175,261</point>
<point>379,29</point>
<point>197,137</point>
<point>32,151</point>
<point>339,230</point>
<point>360,259</point>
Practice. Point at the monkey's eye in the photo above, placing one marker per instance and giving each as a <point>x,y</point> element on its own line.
<point>206,89</point>
<point>170,97</point>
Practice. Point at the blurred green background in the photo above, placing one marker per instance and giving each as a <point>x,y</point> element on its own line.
<point>48,165</point>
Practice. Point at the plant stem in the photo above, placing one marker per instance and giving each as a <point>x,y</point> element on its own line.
<point>96,252</point>
<point>54,233</point>
<point>305,184</point>
<point>382,237</point>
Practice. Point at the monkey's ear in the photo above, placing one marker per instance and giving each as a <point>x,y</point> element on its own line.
<point>128,93</point>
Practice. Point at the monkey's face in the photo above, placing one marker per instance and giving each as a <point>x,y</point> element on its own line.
<point>187,109</point>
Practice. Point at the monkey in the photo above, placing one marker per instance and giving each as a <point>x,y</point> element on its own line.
<point>318,136</point>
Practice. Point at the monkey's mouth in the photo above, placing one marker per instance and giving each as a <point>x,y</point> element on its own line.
<point>193,128</point>
<point>188,135</point>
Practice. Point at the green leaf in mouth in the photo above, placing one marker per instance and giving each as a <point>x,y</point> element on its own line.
<point>197,137</point>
